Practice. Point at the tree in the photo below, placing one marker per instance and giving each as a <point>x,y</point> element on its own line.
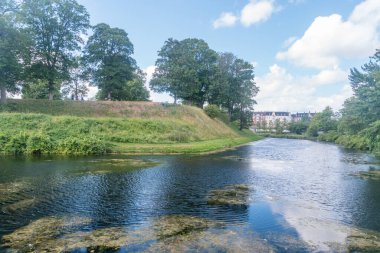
<point>12,46</point>
<point>75,87</point>
<point>56,28</point>
<point>109,63</point>
<point>299,127</point>
<point>186,69</point>
<point>364,107</point>
<point>323,121</point>
<point>133,90</point>
<point>278,126</point>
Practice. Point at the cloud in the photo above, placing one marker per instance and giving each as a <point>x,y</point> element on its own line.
<point>280,90</point>
<point>330,38</point>
<point>226,19</point>
<point>256,11</point>
<point>155,97</point>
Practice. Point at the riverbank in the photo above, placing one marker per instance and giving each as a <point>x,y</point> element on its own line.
<point>37,127</point>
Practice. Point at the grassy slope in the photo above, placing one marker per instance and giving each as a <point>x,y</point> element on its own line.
<point>129,127</point>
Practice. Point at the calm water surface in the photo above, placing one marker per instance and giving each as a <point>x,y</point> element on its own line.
<point>301,189</point>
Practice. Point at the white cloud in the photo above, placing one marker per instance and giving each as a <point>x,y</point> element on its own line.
<point>155,97</point>
<point>226,19</point>
<point>280,90</point>
<point>330,38</point>
<point>289,41</point>
<point>256,11</point>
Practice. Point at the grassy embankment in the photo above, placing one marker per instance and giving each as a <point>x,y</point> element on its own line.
<point>70,127</point>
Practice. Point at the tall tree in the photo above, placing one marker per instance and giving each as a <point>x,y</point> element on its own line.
<point>76,88</point>
<point>186,69</point>
<point>109,61</point>
<point>12,45</point>
<point>56,27</point>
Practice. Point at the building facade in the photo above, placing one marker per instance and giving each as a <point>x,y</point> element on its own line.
<point>267,119</point>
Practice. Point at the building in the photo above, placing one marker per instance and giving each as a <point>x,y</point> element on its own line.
<point>267,119</point>
<point>296,117</point>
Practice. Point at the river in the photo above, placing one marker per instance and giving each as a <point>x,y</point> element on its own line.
<point>303,198</point>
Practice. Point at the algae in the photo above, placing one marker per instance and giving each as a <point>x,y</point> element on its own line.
<point>230,195</point>
<point>8,190</point>
<point>172,233</point>
<point>368,175</point>
<point>20,205</point>
<point>105,166</point>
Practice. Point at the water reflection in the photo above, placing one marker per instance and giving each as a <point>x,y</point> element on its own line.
<point>303,197</point>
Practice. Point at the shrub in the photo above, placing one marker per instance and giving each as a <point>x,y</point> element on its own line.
<point>83,146</point>
<point>329,136</point>
<point>212,111</point>
<point>39,144</point>
<point>17,144</point>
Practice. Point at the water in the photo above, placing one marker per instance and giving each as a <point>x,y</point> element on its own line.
<point>303,199</point>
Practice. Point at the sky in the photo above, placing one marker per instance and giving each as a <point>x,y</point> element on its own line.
<point>302,50</point>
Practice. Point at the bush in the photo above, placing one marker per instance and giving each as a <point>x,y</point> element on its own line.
<point>353,142</point>
<point>17,144</point>
<point>82,146</point>
<point>39,144</point>
<point>212,111</point>
<point>330,136</point>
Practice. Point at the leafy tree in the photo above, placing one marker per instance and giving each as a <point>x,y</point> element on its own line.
<point>75,87</point>
<point>56,28</point>
<point>278,126</point>
<point>133,90</point>
<point>109,62</point>
<point>186,69</point>
<point>323,121</point>
<point>38,90</point>
<point>364,107</point>
<point>299,127</point>
<point>12,48</point>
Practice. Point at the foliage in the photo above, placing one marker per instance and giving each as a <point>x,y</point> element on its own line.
<point>38,89</point>
<point>186,69</point>
<point>133,90</point>
<point>12,48</point>
<point>298,127</point>
<point>212,111</point>
<point>55,27</point>
<point>109,62</point>
<point>74,87</point>
<point>322,122</point>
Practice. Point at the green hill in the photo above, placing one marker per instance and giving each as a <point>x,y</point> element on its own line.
<point>92,127</point>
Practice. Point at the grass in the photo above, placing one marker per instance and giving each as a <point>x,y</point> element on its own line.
<point>71,127</point>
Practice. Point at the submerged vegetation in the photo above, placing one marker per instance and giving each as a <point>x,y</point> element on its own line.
<point>230,195</point>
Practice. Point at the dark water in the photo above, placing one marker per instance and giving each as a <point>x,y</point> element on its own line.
<point>302,189</point>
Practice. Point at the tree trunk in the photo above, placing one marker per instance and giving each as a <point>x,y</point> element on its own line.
<point>51,96</point>
<point>3,95</point>
<point>175,99</point>
<point>241,118</point>
<point>109,96</point>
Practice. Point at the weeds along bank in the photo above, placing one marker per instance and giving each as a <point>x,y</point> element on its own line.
<point>69,127</point>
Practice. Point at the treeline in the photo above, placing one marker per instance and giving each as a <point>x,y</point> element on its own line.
<point>192,72</point>
<point>357,125</point>
<point>45,53</point>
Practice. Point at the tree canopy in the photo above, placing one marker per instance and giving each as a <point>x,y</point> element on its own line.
<point>110,66</point>
<point>56,28</point>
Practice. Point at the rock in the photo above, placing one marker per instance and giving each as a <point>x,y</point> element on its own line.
<point>8,190</point>
<point>230,195</point>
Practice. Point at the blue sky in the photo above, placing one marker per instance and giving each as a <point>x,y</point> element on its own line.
<point>302,49</point>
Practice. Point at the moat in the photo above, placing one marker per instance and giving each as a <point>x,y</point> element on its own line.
<point>274,195</point>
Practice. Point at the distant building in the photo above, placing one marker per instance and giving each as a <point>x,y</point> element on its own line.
<point>296,117</point>
<point>267,119</point>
